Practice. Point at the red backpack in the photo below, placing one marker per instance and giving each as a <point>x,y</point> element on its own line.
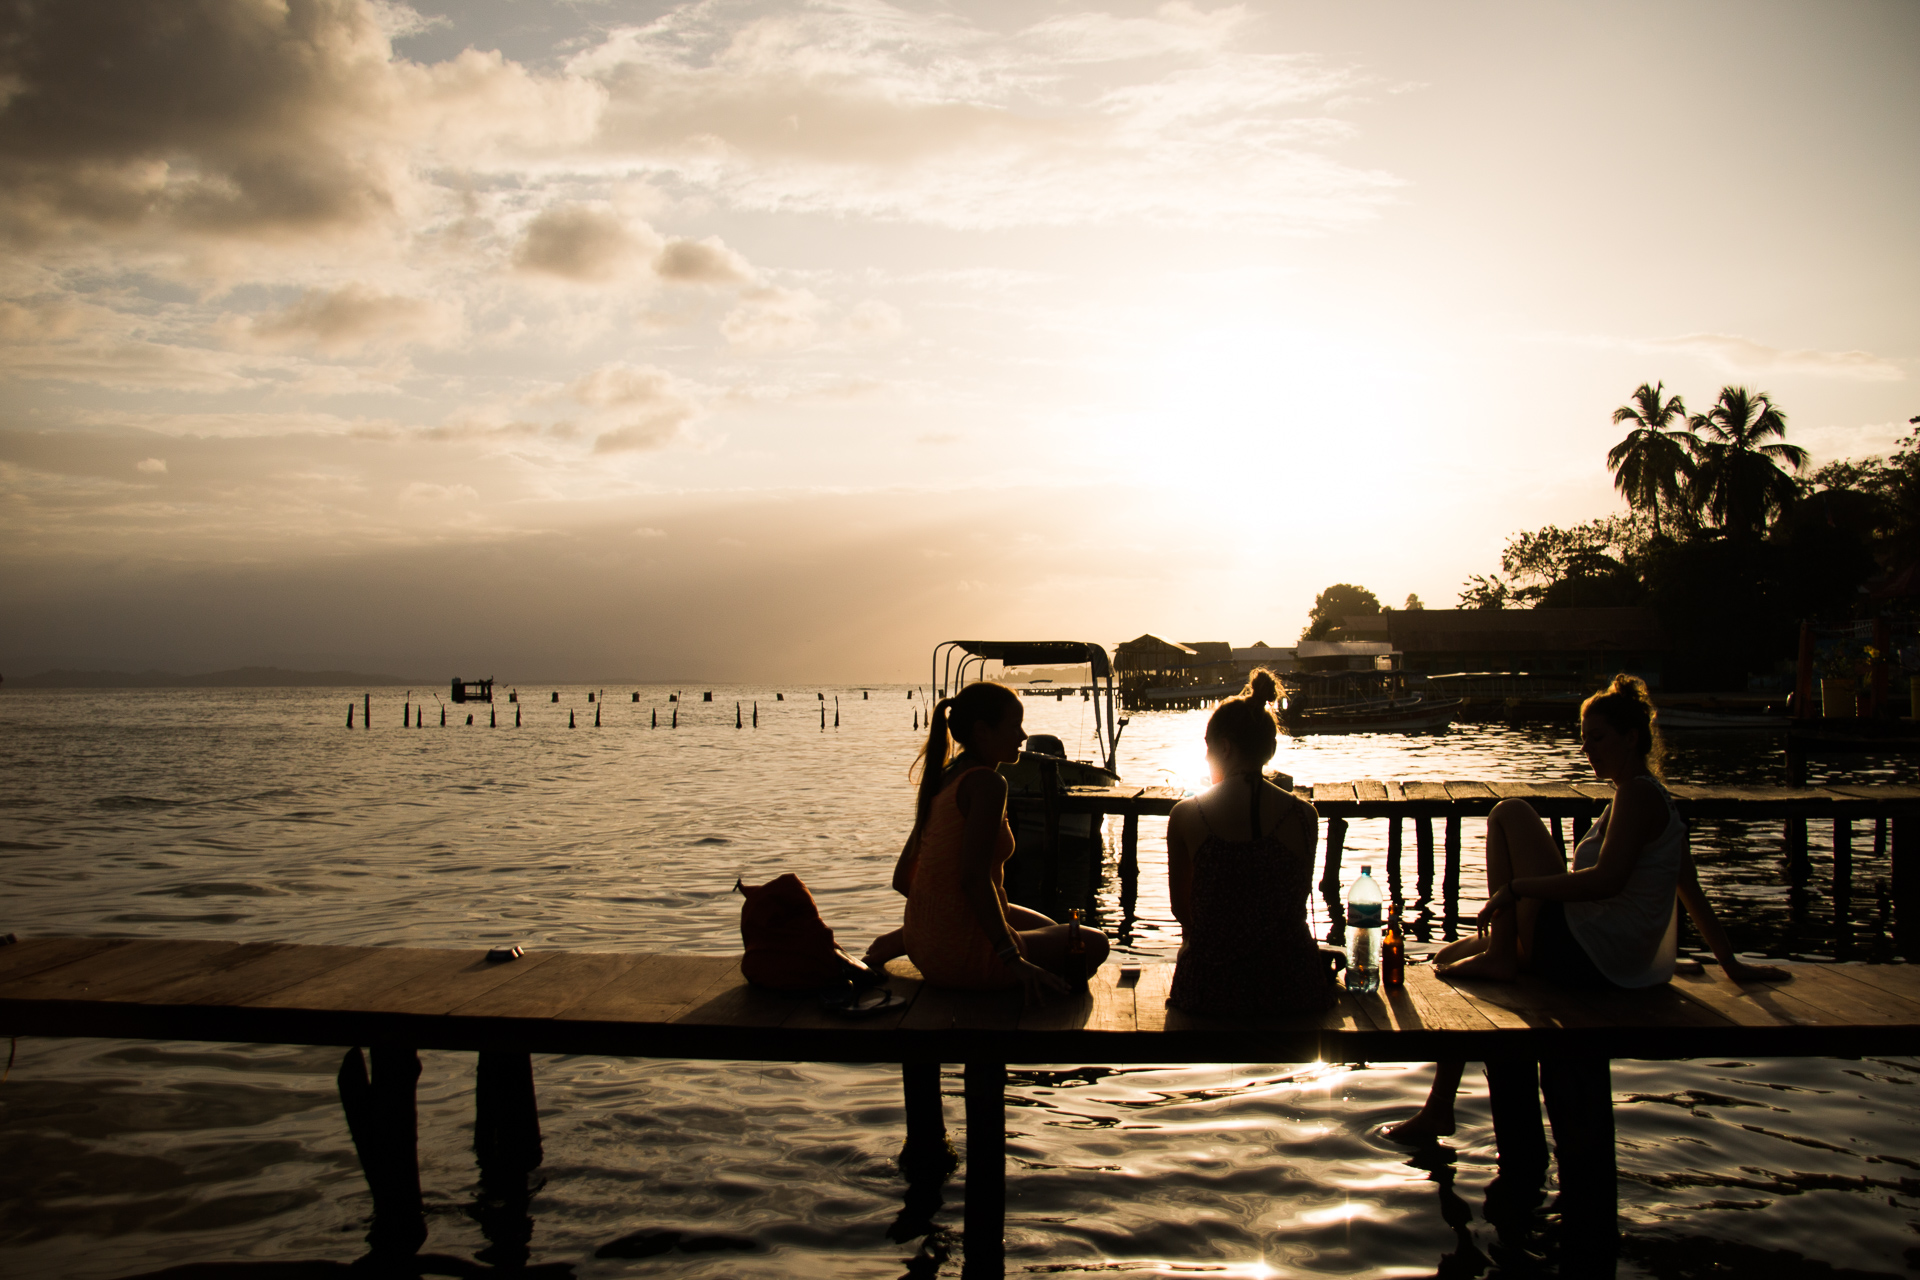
<point>789,947</point>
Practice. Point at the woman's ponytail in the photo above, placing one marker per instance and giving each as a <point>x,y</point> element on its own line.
<point>932,759</point>
<point>1246,722</point>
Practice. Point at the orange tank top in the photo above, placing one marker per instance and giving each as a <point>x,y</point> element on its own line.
<point>944,938</point>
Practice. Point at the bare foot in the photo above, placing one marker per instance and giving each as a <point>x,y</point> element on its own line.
<point>888,946</point>
<point>1460,949</point>
<point>1423,1128</point>
<point>1484,965</point>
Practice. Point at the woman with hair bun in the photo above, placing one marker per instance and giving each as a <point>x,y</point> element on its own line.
<point>1607,924</point>
<point>960,929</point>
<point>1239,863</point>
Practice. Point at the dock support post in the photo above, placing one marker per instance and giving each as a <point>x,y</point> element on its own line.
<point>1423,857</point>
<point>1579,1097</point>
<point>1580,824</point>
<point>927,1153</point>
<point>1393,857</point>
<point>506,1142</point>
<point>985,1223</point>
<point>1520,1141</point>
<point>1797,868</point>
<point>1452,884</point>
<point>1336,845</point>
<point>1129,850</point>
<point>1843,884</point>
<point>381,1117</point>
<point>1560,836</point>
<point>1906,886</point>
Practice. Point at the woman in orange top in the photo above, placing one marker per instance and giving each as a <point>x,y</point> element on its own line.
<point>960,930</point>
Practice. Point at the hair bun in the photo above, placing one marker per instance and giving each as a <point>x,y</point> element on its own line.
<point>1262,687</point>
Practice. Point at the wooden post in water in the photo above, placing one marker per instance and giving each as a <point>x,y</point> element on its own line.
<point>636,697</point>
<point>349,714</point>
<point>1906,886</point>
<point>983,1231</point>
<point>1560,836</point>
<point>836,711</point>
<point>1451,888</point>
<point>406,711</point>
<point>381,1117</point>
<point>596,715</point>
<point>1423,857</point>
<point>569,717</point>
<point>1580,824</point>
<point>736,716</point>
<point>1579,1097</point>
<point>556,695</point>
<point>469,719</point>
<point>516,715</point>
<point>676,717</point>
<point>1842,886</point>
<point>1796,850</point>
<point>366,717</point>
<point>655,723</point>
<point>1336,843</point>
<point>756,713</point>
<point>506,1143</point>
<point>823,715</point>
<point>1393,856</point>
<point>493,717</point>
<point>926,1153</point>
<point>443,715</point>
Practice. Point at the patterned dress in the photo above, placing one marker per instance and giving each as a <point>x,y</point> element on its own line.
<point>1247,949</point>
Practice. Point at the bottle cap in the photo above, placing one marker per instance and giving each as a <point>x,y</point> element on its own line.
<point>1365,870</point>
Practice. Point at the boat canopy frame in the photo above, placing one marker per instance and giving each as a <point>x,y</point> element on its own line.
<point>953,658</point>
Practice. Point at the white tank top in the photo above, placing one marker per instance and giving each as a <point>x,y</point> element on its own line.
<point>1634,935</point>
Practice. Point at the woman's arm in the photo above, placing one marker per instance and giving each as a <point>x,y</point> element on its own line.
<point>1180,859</point>
<point>983,803</point>
<point>909,857</point>
<point>1701,912</point>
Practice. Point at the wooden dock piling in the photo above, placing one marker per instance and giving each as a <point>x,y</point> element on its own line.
<point>1336,845</point>
<point>366,717</point>
<point>349,715</point>
<point>736,716</point>
<point>984,1224</point>
<point>926,1152</point>
<point>382,1119</point>
<point>443,715</point>
<point>569,717</point>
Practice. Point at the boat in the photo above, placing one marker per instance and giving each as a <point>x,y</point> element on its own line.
<point>1416,714</point>
<point>1363,702</point>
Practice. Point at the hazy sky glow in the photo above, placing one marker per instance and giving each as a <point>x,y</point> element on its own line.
<point>727,340</point>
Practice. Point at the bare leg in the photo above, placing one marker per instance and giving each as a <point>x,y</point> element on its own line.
<point>1460,949</point>
<point>1518,846</point>
<point>1435,1119</point>
<point>1025,918</point>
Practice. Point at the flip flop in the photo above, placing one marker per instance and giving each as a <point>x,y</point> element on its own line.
<point>853,1002</point>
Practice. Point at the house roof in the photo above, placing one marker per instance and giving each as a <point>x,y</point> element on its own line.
<point>1343,649</point>
<point>1417,631</point>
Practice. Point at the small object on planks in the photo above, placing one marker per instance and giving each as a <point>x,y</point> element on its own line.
<point>500,955</point>
<point>1393,954</point>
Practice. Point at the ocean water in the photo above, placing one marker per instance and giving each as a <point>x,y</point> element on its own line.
<point>255,815</point>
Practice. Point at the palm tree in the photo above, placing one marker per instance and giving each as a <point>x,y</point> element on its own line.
<point>1737,478</point>
<point>1653,466</point>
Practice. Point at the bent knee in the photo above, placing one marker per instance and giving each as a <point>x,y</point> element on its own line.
<point>1509,811</point>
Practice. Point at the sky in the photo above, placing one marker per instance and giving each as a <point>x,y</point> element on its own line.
<point>575,340</point>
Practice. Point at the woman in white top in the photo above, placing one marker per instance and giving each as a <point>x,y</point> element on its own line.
<point>1610,922</point>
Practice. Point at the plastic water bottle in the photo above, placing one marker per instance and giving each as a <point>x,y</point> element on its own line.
<point>1363,947</point>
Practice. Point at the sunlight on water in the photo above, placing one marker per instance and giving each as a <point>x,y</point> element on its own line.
<point>255,815</point>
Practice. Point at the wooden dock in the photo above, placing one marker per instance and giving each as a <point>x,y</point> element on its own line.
<point>399,1000</point>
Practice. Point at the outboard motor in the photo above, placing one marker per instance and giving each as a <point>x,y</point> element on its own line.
<point>1045,744</point>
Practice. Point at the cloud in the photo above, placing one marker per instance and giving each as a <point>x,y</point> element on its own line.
<point>707,261</point>
<point>874,321</point>
<point>872,110</point>
<point>425,491</point>
<point>648,406</point>
<point>585,244</point>
<point>1743,355</point>
<point>152,466</point>
<point>251,117</point>
<point>773,319</point>
<point>347,319</point>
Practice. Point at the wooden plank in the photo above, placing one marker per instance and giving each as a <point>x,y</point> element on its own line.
<point>811,1016</point>
<point>731,1001</point>
<point>29,956</point>
<point>1331,793</point>
<point>1427,793</point>
<point>1752,1004</point>
<point>946,1009</point>
<point>278,966</point>
<point>1150,997</point>
<point>1477,795</point>
<point>1601,791</point>
<point>1899,980</point>
<point>356,984</point>
<point>1350,1012</point>
<point>561,980</point>
<point>1094,1009</point>
<point>1367,791</point>
<point>1836,1000</point>
<point>122,973</point>
<point>1533,1002</point>
<point>1661,1006</point>
<point>1396,792</point>
<point>1528,791</point>
<point>1425,1003</point>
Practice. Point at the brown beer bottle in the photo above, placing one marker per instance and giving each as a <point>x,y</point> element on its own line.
<point>1393,954</point>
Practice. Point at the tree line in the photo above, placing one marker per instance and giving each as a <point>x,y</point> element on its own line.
<point>1727,536</point>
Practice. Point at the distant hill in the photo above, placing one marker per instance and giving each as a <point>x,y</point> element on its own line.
<point>239,678</point>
